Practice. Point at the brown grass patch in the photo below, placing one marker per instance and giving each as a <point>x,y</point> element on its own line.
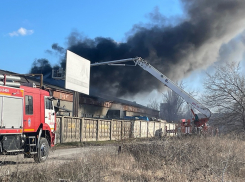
<point>170,159</point>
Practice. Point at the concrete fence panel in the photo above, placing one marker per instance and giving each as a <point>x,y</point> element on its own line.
<point>144,129</point>
<point>126,129</point>
<point>151,129</point>
<point>89,130</point>
<point>159,129</point>
<point>104,130</point>
<point>116,129</point>
<point>170,129</point>
<point>74,129</point>
<point>136,129</point>
<point>71,129</point>
<point>57,132</point>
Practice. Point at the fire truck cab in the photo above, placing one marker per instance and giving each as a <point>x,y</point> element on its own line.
<point>27,121</point>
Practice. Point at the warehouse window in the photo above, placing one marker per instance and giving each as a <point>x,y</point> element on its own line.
<point>29,104</point>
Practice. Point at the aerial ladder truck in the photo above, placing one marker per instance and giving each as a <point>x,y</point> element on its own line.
<point>198,122</point>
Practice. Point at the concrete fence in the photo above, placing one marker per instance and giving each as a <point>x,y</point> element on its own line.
<point>171,129</point>
<point>74,129</point>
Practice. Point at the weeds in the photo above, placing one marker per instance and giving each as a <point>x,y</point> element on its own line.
<point>171,159</point>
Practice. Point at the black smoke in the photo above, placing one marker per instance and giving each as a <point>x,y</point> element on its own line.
<point>41,66</point>
<point>58,48</point>
<point>174,49</point>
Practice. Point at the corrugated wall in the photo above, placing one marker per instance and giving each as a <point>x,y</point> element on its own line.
<point>74,129</point>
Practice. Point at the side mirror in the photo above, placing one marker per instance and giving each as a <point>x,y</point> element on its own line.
<point>58,102</point>
<point>56,109</point>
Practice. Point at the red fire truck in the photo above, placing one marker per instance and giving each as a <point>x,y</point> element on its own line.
<point>27,119</point>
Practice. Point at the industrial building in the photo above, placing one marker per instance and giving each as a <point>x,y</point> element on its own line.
<point>94,105</point>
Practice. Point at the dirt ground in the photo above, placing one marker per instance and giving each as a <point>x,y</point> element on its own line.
<point>10,163</point>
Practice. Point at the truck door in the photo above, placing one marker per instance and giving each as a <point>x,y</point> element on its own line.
<point>29,118</point>
<point>49,113</point>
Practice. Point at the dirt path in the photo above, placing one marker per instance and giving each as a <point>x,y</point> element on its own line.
<point>15,163</point>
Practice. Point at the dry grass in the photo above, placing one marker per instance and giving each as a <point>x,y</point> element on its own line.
<point>169,159</point>
<point>193,158</point>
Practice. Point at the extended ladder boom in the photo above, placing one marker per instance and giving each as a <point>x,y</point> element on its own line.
<point>165,80</point>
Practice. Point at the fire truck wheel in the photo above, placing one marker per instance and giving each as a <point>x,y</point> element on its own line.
<point>42,151</point>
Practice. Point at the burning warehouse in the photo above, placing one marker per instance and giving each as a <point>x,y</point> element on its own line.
<point>93,105</point>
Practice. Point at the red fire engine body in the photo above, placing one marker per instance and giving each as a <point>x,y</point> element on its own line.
<point>185,126</point>
<point>27,122</point>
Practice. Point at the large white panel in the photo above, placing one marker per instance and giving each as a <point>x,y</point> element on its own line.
<point>12,112</point>
<point>77,73</point>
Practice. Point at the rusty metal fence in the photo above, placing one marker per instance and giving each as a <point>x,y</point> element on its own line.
<point>74,129</point>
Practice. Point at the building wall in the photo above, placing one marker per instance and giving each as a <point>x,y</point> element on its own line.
<point>94,107</point>
<point>66,105</point>
<point>86,110</point>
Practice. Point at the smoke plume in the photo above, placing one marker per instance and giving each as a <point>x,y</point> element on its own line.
<point>174,49</point>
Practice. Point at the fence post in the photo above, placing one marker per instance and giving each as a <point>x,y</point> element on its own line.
<point>147,128</point>
<point>61,129</point>
<point>140,128</point>
<point>97,130</point>
<point>154,130</point>
<point>81,129</point>
<point>175,129</point>
<point>122,129</point>
<point>111,130</point>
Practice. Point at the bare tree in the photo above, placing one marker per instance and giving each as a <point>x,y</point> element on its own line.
<point>225,93</point>
<point>153,104</point>
<point>172,106</point>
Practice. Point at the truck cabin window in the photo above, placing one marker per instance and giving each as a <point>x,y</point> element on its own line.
<point>48,104</point>
<point>29,104</point>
